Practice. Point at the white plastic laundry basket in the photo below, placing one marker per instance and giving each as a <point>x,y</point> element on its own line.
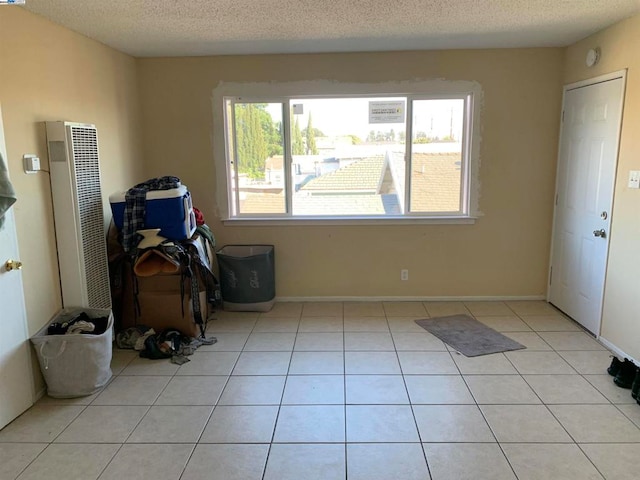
<point>75,365</point>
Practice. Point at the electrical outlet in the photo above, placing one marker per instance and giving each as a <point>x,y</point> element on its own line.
<point>634,179</point>
<point>404,275</point>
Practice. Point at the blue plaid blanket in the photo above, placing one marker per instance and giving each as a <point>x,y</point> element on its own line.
<point>134,209</point>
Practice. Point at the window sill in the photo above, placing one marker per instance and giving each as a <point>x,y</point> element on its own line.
<point>351,221</point>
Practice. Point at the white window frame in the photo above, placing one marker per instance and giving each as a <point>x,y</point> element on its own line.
<point>283,93</point>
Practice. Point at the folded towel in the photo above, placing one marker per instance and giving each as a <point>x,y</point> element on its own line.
<point>7,193</point>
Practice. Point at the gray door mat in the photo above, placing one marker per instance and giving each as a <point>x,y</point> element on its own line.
<point>468,336</point>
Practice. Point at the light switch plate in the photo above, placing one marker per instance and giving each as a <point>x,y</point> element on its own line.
<point>634,179</point>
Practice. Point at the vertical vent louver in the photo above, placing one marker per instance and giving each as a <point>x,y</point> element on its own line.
<point>78,215</point>
<point>89,197</point>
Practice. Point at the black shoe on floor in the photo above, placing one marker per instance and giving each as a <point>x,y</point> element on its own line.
<point>626,374</point>
<point>614,368</point>
<point>635,387</point>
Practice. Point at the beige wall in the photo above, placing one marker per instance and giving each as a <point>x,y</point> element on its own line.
<point>504,254</point>
<point>619,46</point>
<point>48,72</point>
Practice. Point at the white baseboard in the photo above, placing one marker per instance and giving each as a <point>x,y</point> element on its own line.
<point>616,350</point>
<point>412,299</point>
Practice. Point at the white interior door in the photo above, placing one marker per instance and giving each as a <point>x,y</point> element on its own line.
<point>587,161</point>
<point>16,388</point>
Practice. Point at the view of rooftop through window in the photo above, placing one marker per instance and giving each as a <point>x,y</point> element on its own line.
<point>348,157</point>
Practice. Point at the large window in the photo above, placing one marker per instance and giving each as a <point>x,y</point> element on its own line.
<point>348,157</point>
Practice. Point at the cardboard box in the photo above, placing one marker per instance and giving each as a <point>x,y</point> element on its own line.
<point>161,283</point>
<point>161,306</point>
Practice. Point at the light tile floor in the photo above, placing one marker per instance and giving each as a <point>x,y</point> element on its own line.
<point>345,391</point>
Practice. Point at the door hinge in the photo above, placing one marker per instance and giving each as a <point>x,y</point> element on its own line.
<point>556,199</point>
<point>562,116</point>
<point>550,275</point>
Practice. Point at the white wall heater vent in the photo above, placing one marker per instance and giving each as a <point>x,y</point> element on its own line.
<point>78,214</point>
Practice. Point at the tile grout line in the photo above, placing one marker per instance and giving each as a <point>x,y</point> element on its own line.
<point>288,374</point>
<point>91,404</point>
<point>575,442</point>
<point>551,412</point>
<point>195,444</point>
<point>204,426</point>
<point>284,387</point>
<point>48,444</point>
<point>344,386</point>
<point>590,461</point>
<point>504,454</point>
<point>610,402</point>
<point>413,413</point>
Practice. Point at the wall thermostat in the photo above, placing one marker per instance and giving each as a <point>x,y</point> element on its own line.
<point>31,163</point>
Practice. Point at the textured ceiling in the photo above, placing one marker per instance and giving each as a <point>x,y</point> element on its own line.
<point>151,28</point>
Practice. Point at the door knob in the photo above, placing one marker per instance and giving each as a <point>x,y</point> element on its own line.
<point>13,265</point>
<point>600,233</point>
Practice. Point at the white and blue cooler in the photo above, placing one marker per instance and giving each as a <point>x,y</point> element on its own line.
<point>169,210</point>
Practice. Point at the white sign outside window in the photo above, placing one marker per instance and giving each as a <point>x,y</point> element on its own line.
<point>386,112</point>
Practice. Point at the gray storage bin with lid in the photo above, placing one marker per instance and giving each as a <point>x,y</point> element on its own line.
<point>78,364</point>
<point>247,277</point>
